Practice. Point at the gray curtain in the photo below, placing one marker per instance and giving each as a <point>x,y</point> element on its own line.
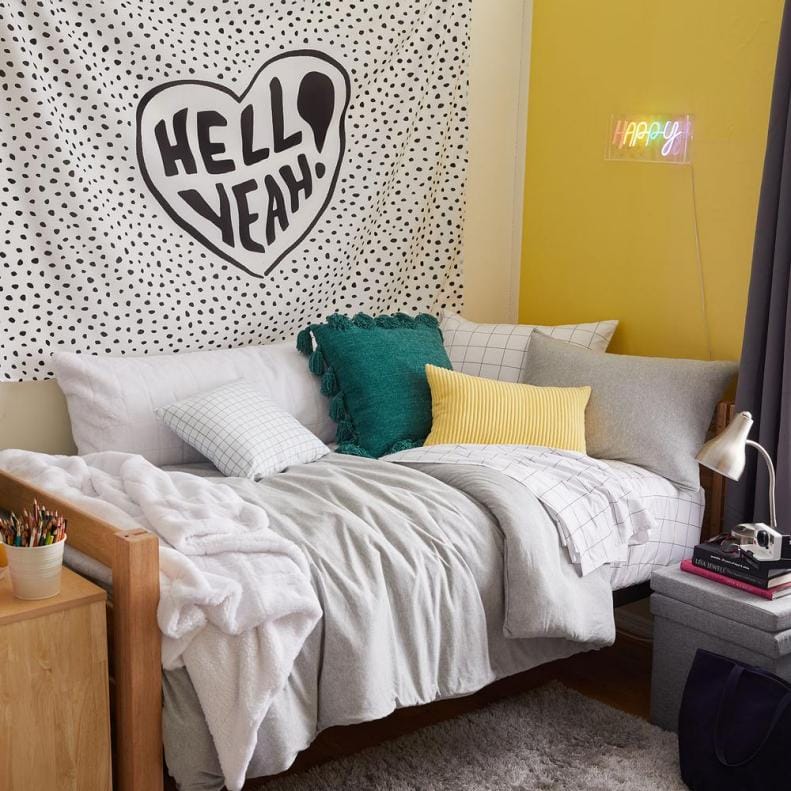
<point>765,372</point>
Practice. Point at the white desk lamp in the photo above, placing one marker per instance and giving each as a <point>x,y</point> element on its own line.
<point>725,454</point>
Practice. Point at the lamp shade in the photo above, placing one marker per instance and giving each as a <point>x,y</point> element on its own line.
<point>725,453</point>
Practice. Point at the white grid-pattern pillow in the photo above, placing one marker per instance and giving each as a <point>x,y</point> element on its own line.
<point>497,351</point>
<point>243,433</point>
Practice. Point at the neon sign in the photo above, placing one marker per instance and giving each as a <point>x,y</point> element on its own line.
<point>650,138</point>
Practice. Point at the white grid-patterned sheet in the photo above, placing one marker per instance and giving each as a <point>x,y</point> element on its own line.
<point>244,433</point>
<point>678,514</point>
<point>498,351</point>
<point>605,511</point>
<point>595,509</point>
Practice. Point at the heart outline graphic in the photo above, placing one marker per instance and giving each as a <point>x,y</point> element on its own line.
<point>184,223</point>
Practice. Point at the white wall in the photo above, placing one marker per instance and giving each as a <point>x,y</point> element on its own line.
<point>33,414</point>
<point>499,70</point>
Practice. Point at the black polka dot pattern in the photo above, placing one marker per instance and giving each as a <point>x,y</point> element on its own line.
<point>90,262</point>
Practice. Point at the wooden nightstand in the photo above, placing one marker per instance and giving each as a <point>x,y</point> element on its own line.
<point>54,699</point>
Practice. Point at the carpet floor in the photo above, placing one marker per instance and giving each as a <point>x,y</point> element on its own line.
<point>550,739</point>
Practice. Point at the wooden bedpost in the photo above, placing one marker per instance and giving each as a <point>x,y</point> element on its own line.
<point>713,483</point>
<point>135,655</point>
<point>137,663</point>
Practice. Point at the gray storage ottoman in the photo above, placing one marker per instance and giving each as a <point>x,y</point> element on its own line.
<point>690,613</point>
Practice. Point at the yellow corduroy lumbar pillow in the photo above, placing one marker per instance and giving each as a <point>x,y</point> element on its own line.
<point>476,411</point>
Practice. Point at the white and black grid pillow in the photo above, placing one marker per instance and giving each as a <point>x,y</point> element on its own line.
<point>497,351</point>
<point>243,433</point>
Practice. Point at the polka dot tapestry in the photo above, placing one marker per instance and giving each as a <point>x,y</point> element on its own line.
<point>180,176</point>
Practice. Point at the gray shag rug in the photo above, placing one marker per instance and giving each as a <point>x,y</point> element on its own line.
<point>550,739</point>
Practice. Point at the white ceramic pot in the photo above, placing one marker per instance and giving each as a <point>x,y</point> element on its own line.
<point>35,571</point>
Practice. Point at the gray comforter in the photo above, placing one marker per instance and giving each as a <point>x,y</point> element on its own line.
<point>434,580</point>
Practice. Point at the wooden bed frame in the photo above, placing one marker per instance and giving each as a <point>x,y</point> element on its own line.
<point>132,629</point>
<point>714,484</point>
<point>133,634</point>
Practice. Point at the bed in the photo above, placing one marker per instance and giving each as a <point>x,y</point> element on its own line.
<point>132,558</point>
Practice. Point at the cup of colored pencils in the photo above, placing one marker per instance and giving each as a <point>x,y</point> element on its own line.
<point>34,545</point>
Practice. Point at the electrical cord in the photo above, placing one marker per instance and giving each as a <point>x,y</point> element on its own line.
<point>701,274</point>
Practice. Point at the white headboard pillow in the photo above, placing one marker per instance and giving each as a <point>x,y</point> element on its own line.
<point>112,400</point>
<point>497,351</point>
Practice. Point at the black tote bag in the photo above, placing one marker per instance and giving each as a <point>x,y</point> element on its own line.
<point>734,729</point>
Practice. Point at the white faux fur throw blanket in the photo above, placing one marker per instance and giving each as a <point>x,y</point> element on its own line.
<point>234,595</point>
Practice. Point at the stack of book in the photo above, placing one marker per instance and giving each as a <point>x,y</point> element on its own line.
<point>770,581</point>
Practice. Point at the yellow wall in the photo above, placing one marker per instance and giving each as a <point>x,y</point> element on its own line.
<point>615,239</point>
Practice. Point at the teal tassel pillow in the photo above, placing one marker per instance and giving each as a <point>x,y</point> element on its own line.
<point>374,372</point>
